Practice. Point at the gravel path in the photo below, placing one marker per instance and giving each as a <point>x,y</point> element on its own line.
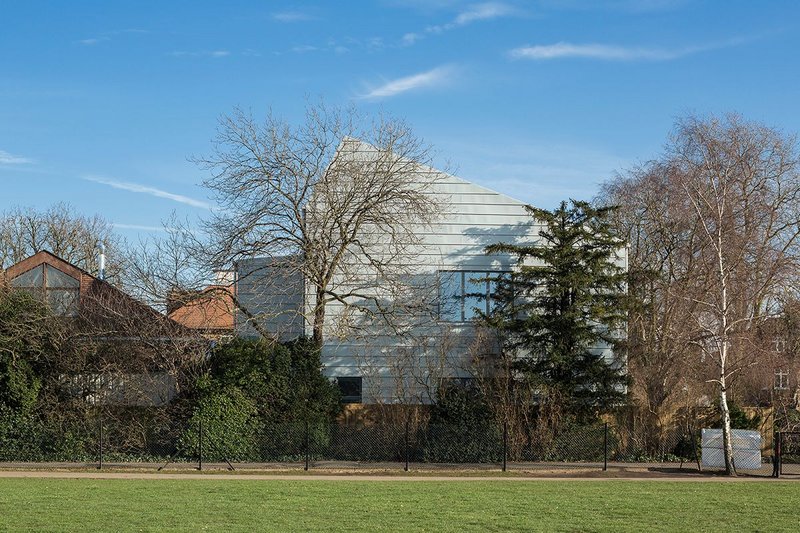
<point>640,475</point>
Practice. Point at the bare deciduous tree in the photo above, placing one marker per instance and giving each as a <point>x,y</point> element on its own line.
<point>654,218</point>
<point>339,212</point>
<point>723,247</point>
<point>742,182</point>
<point>60,230</point>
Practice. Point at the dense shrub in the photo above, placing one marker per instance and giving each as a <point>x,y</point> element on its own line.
<point>461,428</point>
<point>256,400</point>
<point>27,336</point>
<point>284,381</point>
<point>230,426</point>
<point>739,418</point>
<point>572,443</point>
<point>27,437</point>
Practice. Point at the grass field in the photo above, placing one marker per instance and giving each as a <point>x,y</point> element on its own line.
<point>268,505</point>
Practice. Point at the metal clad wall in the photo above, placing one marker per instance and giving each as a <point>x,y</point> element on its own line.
<point>395,368</point>
<point>273,294</point>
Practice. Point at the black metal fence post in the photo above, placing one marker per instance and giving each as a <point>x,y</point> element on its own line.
<point>406,447</point>
<point>693,436</point>
<point>605,446</point>
<point>307,441</point>
<point>200,444</point>
<point>778,458</point>
<point>505,444</point>
<point>100,464</point>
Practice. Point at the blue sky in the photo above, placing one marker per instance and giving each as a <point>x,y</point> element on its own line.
<point>101,103</point>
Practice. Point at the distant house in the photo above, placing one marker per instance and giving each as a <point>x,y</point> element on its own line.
<point>123,351</point>
<point>773,378</point>
<point>374,364</point>
<point>209,312</point>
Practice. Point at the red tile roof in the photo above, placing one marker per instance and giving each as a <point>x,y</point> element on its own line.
<point>211,309</point>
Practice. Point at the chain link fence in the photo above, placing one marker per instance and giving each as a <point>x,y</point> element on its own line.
<point>171,438</point>
<point>787,453</point>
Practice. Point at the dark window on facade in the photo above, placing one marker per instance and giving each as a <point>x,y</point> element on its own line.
<point>350,388</point>
<point>461,383</point>
<point>59,290</point>
<point>465,293</point>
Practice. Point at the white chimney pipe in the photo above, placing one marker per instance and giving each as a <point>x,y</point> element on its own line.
<point>102,262</point>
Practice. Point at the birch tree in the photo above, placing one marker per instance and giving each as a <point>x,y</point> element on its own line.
<point>723,248</point>
<point>742,182</point>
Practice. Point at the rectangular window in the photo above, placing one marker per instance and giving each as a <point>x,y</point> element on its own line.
<point>461,383</point>
<point>350,388</point>
<point>464,294</point>
<point>781,379</point>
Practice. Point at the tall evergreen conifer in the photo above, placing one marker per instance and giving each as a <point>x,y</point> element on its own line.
<point>565,296</point>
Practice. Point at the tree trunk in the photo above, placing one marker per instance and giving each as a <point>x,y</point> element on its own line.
<point>722,338</point>
<point>319,318</point>
<point>727,444</point>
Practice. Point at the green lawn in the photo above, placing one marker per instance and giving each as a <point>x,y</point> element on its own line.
<point>258,505</point>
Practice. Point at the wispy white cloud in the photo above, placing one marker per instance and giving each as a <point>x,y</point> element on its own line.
<point>202,53</point>
<point>11,159</point>
<point>332,45</point>
<point>106,36</point>
<point>303,48</point>
<point>487,11</point>
<point>472,13</point>
<point>374,43</point>
<point>152,191</point>
<point>607,52</point>
<point>431,78</point>
<point>291,16</point>
<point>92,41</point>
<point>410,38</point>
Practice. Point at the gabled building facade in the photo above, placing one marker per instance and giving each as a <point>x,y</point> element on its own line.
<point>404,364</point>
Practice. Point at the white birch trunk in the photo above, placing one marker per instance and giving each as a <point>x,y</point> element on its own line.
<point>722,338</point>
